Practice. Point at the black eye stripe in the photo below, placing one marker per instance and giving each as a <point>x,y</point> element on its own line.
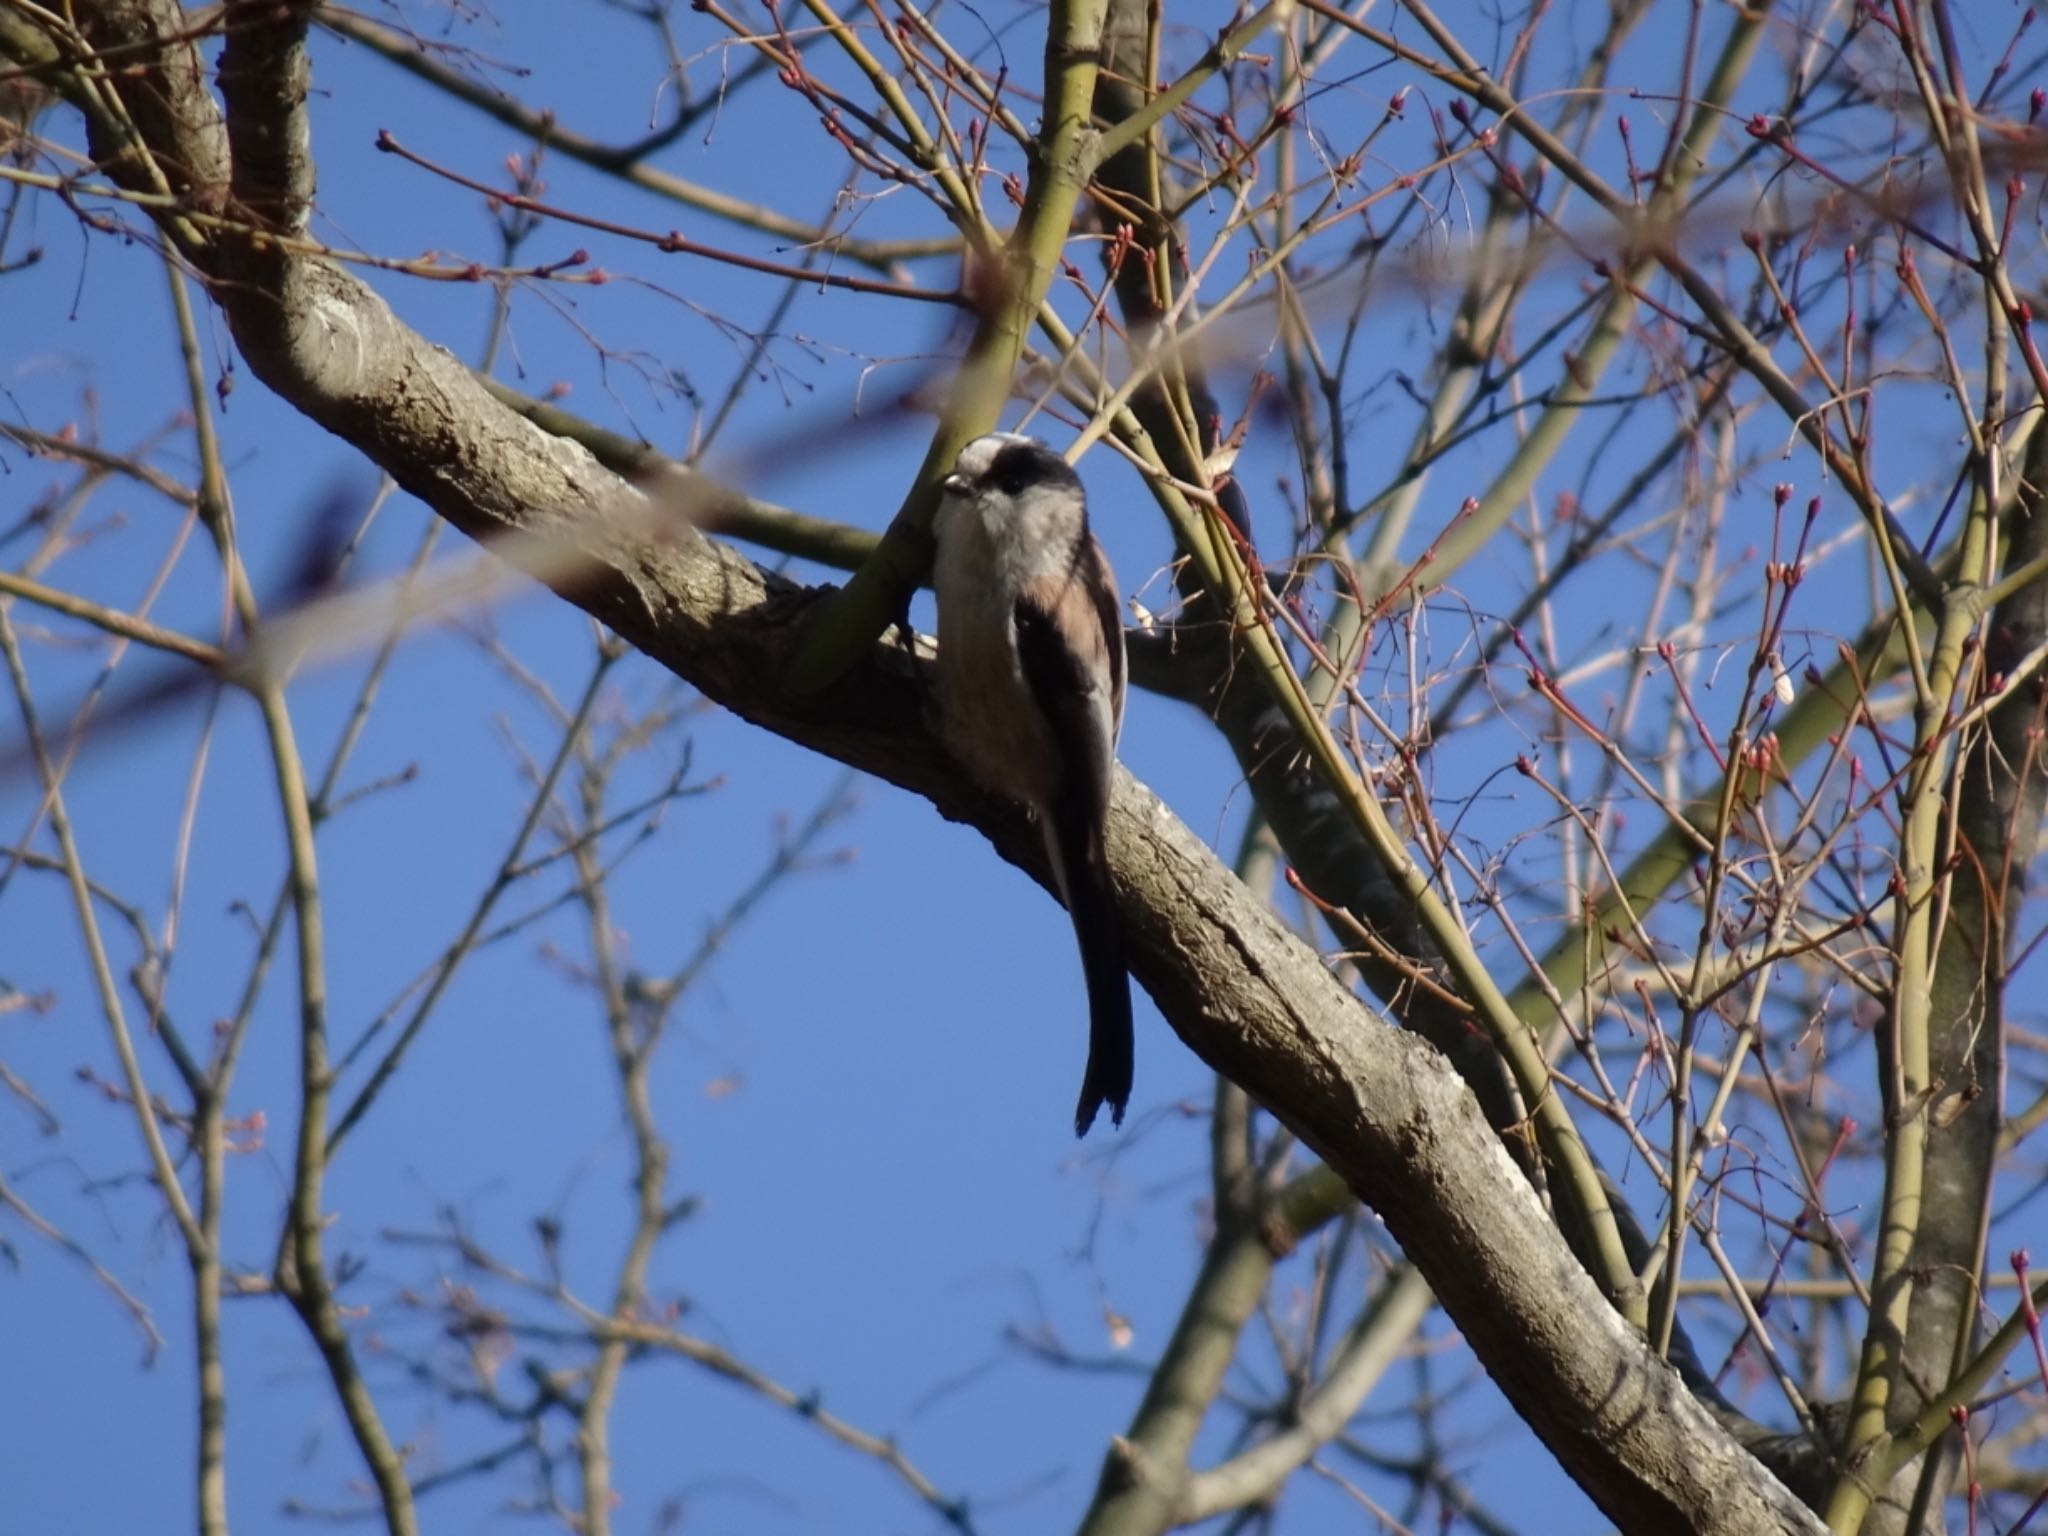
<point>1019,466</point>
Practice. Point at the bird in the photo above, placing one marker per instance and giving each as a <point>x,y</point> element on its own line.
<point>1030,698</point>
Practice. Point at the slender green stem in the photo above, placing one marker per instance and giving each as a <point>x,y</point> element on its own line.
<point>1022,276</point>
<point>1221,54</point>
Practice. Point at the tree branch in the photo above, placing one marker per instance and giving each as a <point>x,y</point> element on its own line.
<point>1251,999</point>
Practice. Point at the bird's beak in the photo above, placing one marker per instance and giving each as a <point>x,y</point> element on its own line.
<point>955,484</point>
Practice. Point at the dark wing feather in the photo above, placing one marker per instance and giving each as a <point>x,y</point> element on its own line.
<point>1062,684</point>
<point>1101,581</point>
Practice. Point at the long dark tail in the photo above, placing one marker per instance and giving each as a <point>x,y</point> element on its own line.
<point>1083,871</point>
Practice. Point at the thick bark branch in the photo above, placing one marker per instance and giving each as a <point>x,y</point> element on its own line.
<point>1382,1107</point>
<point>1379,1105</point>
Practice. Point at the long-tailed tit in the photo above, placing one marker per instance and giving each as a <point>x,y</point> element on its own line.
<point>1031,696</point>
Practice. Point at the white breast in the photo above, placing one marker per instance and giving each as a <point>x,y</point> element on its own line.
<point>986,710</point>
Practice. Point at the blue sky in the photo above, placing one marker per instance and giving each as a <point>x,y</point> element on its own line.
<point>891,1192</point>
<point>893,1187</point>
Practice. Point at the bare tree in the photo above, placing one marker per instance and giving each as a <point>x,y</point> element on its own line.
<point>1597,451</point>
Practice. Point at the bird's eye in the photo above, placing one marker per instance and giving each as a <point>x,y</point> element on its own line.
<point>1013,473</point>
